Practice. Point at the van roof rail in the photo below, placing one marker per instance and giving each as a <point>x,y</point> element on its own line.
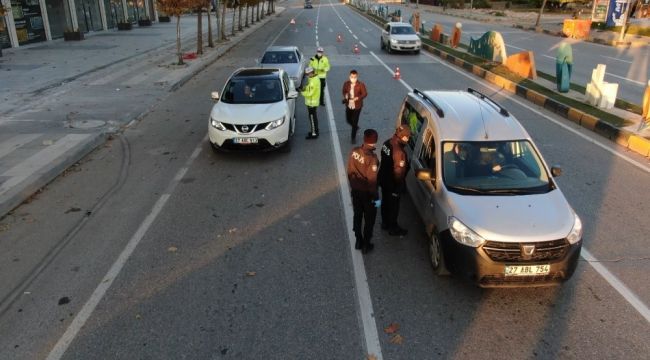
<point>430,101</point>
<point>484,97</point>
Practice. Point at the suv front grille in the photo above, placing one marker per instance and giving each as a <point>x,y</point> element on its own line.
<point>245,129</point>
<point>407,42</point>
<point>512,252</point>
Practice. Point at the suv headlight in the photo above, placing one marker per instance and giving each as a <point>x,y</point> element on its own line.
<point>217,125</point>
<point>275,124</point>
<point>393,41</point>
<point>463,234</point>
<point>576,233</point>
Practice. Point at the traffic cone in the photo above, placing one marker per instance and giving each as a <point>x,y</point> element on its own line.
<point>293,21</point>
<point>397,74</point>
<point>355,49</point>
<point>339,38</point>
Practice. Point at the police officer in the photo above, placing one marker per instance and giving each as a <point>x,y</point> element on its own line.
<point>392,175</point>
<point>311,93</point>
<point>321,64</point>
<point>362,175</point>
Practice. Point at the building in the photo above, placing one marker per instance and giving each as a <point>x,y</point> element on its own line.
<point>31,21</point>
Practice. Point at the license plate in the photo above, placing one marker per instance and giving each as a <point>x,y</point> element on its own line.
<point>527,270</point>
<point>245,140</point>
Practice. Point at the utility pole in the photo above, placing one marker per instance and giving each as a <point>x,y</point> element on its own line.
<point>621,36</point>
<point>539,16</point>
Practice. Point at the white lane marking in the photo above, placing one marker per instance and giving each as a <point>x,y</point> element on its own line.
<point>613,58</point>
<point>626,79</point>
<point>549,57</point>
<point>516,47</point>
<point>284,28</point>
<point>355,37</point>
<point>392,72</point>
<point>362,44</point>
<point>89,307</point>
<point>612,280</point>
<point>360,277</point>
<point>350,31</point>
<point>617,284</point>
<point>8,146</point>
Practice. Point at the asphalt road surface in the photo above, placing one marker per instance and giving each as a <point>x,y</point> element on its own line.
<point>154,247</point>
<point>627,67</point>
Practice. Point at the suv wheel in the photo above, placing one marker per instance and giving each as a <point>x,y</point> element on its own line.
<point>436,256</point>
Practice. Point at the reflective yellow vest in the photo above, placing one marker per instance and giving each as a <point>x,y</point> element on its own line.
<point>321,66</point>
<point>311,92</point>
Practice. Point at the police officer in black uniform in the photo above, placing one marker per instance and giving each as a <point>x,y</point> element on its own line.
<point>362,174</point>
<point>392,175</point>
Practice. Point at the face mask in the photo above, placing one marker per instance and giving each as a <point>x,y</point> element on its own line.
<point>319,55</point>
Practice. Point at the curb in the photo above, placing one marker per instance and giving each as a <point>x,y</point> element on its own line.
<point>623,137</point>
<point>20,193</point>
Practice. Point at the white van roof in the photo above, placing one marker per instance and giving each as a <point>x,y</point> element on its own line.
<point>468,117</point>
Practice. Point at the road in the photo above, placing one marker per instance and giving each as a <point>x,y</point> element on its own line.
<point>627,67</point>
<point>154,247</point>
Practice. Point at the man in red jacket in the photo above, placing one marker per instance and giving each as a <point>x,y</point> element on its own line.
<point>354,91</point>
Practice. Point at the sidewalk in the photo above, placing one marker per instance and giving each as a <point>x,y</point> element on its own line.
<point>61,99</point>
<point>550,23</point>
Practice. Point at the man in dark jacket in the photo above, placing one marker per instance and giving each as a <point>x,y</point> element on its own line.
<point>354,91</point>
<point>362,174</point>
<point>392,175</point>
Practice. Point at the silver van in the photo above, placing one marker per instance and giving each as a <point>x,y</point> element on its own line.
<point>491,208</point>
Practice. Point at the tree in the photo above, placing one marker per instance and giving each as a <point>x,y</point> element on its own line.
<point>175,8</point>
<point>224,5</point>
<point>539,16</point>
<point>234,14</point>
<point>208,6</point>
<point>199,26</point>
<point>239,26</point>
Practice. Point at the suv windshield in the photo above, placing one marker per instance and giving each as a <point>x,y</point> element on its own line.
<point>279,57</point>
<point>252,91</point>
<point>402,30</point>
<point>501,167</point>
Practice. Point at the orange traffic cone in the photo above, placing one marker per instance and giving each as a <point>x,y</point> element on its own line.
<point>355,49</point>
<point>396,74</point>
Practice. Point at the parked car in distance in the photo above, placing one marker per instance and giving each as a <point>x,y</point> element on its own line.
<point>491,207</point>
<point>256,110</point>
<point>400,36</point>
<point>288,58</point>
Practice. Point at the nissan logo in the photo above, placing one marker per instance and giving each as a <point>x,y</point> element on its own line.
<point>244,128</point>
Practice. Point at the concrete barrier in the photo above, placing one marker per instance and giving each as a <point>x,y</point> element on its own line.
<point>522,64</point>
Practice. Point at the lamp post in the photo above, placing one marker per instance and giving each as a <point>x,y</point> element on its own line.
<point>621,36</point>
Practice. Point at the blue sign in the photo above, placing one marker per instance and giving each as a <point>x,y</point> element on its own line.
<point>616,15</point>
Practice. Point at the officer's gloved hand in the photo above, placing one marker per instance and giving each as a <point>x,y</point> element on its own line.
<point>377,203</point>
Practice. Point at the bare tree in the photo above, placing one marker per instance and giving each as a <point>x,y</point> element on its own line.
<point>539,16</point>
<point>199,26</point>
<point>175,8</point>
<point>224,5</point>
<point>208,6</point>
<point>239,26</point>
<point>234,14</point>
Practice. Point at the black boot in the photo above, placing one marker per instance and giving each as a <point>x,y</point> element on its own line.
<point>397,231</point>
<point>368,248</point>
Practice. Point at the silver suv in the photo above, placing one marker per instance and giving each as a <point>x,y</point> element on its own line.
<point>399,36</point>
<point>490,205</point>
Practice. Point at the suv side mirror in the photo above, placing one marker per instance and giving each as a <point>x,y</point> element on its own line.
<point>424,174</point>
<point>215,95</point>
<point>556,171</point>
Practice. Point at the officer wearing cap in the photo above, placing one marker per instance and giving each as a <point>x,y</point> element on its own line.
<point>311,93</point>
<point>321,65</point>
<point>392,175</point>
<point>362,175</point>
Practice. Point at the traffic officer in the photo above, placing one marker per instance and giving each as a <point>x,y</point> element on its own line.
<point>321,65</point>
<point>312,92</point>
<point>392,175</point>
<point>362,174</point>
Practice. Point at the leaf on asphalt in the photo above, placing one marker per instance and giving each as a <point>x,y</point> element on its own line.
<point>397,339</point>
<point>232,230</point>
<point>392,328</point>
<point>172,249</point>
<point>251,273</point>
<point>137,316</point>
<point>371,357</point>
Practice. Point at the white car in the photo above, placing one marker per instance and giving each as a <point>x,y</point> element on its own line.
<point>398,36</point>
<point>255,111</point>
<point>287,58</point>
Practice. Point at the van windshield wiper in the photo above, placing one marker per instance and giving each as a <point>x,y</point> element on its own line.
<point>514,191</point>
<point>468,189</point>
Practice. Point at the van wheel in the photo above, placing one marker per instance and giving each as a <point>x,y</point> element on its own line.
<point>436,256</point>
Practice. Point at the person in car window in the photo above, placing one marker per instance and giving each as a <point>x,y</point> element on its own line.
<point>354,91</point>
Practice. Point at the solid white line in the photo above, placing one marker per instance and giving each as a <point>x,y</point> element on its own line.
<point>392,72</point>
<point>550,57</point>
<point>362,44</point>
<point>355,37</point>
<point>360,278</point>
<point>86,311</point>
<point>516,47</point>
<point>626,79</point>
<point>628,295</point>
<point>617,284</point>
<point>613,58</point>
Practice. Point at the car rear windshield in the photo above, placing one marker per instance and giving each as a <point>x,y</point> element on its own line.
<point>402,30</point>
<point>279,57</point>
<point>252,91</point>
<point>498,168</point>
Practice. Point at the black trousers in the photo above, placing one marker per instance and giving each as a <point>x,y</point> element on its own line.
<point>322,91</point>
<point>352,118</point>
<point>389,207</point>
<point>365,214</point>
<point>313,119</point>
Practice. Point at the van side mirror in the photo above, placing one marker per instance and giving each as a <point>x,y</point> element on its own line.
<point>292,94</point>
<point>215,95</point>
<point>424,174</point>
<point>556,171</point>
